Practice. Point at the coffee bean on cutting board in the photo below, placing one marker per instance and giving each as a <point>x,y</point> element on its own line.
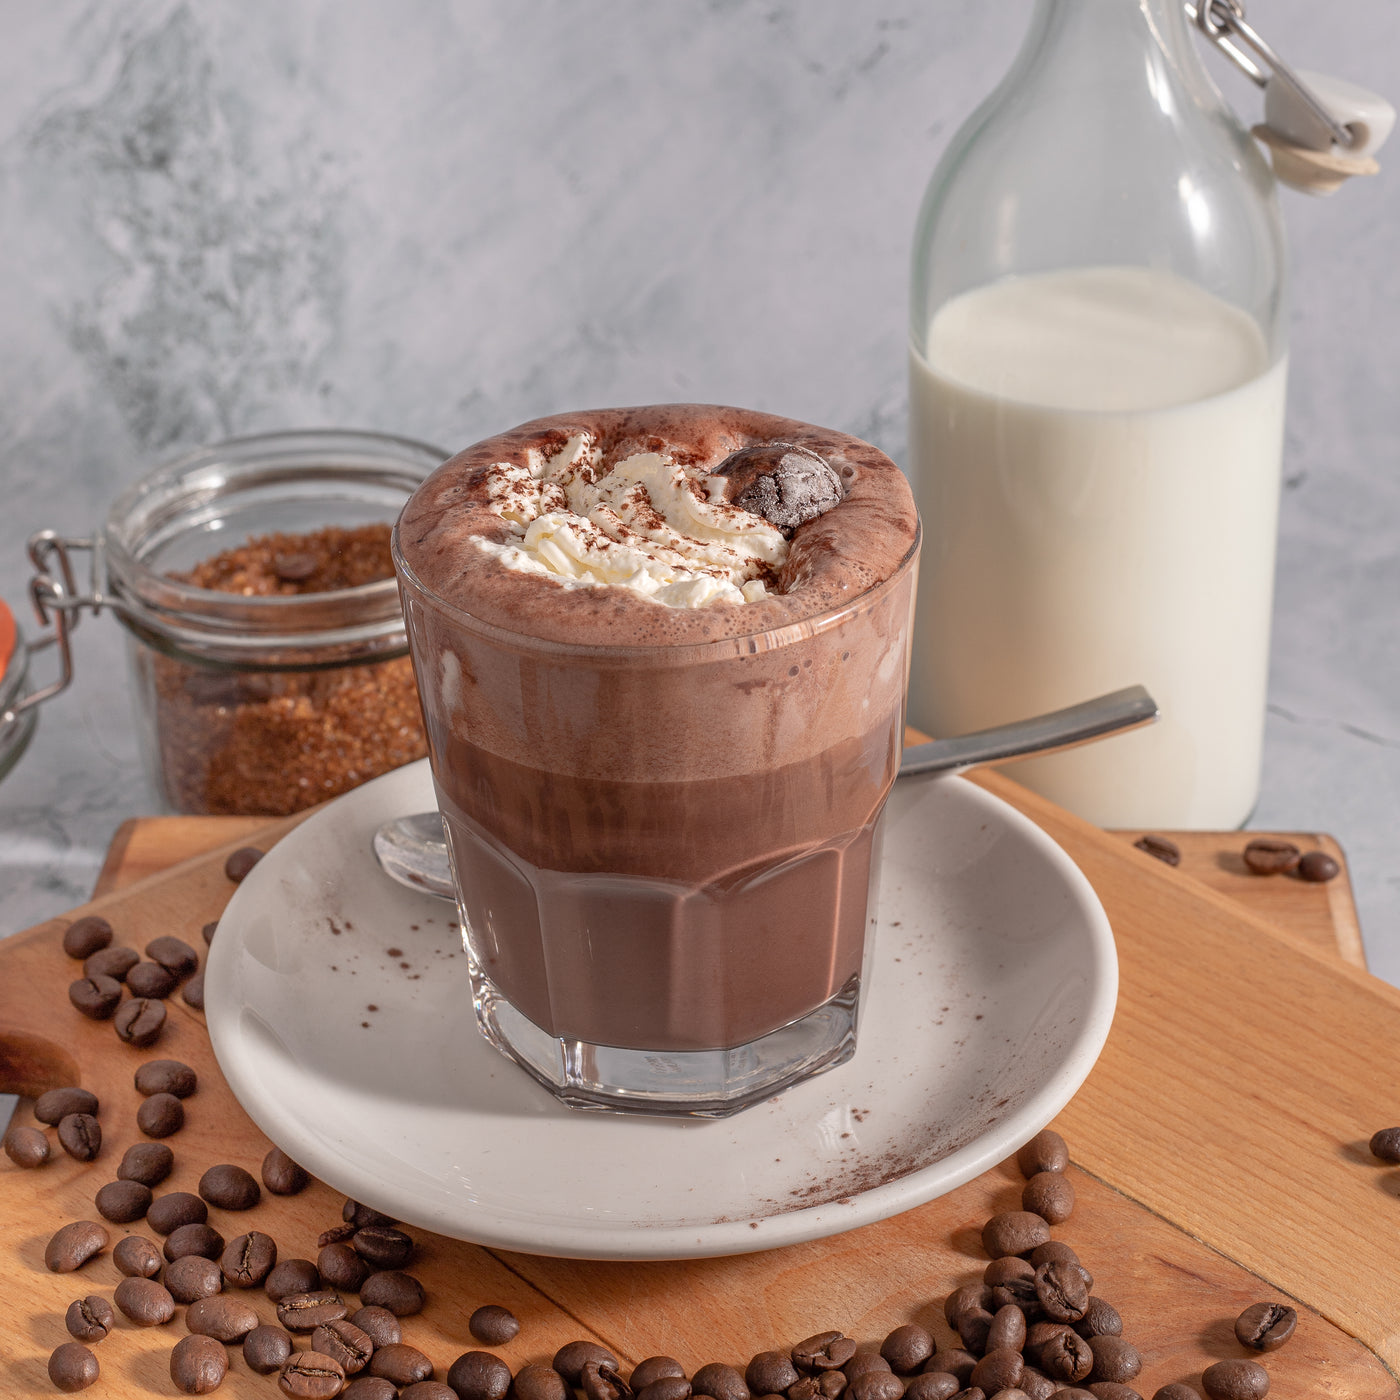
<point>111,962</point>
<point>401,1293</point>
<point>1317,867</point>
<point>481,1375</point>
<point>241,862</point>
<point>198,1364</point>
<point>1266,1326</point>
<point>1050,1196</point>
<point>166,1077</point>
<point>136,1257</point>
<point>192,1277</point>
<point>381,1325</point>
<point>25,1146</point>
<point>174,1209</point>
<point>291,1276</point>
<point>1235,1380</point>
<point>173,954</point>
<point>161,1115</point>
<point>1159,847</point>
<point>144,1301</point>
<point>1045,1152</point>
<point>80,1136</point>
<point>1266,855</point>
<point>346,1343</point>
<point>147,1162</point>
<point>311,1376</point>
<point>400,1363</point>
<point>150,979</point>
<point>89,1319</point>
<point>385,1247</point>
<point>73,1245</point>
<point>377,1388</point>
<point>73,1366</point>
<point>223,1316</point>
<point>96,997</point>
<point>84,937</point>
<point>192,993</point>
<point>55,1105</point>
<point>122,1202</point>
<point>428,1390</point>
<point>230,1187</point>
<point>140,1021</point>
<point>266,1348</point>
<point>194,1238</point>
<point>248,1259</point>
<point>536,1382</point>
<point>281,1175</point>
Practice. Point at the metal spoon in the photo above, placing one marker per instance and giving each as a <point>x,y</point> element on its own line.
<point>411,849</point>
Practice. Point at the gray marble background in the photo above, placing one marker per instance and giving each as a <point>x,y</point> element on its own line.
<point>442,218</point>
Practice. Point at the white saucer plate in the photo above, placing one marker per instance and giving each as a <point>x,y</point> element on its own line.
<point>340,1013</point>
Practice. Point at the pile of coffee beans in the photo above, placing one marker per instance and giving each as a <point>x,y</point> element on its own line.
<point>1269,855</point>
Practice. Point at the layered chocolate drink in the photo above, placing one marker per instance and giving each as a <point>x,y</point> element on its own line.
<point>662,655</point>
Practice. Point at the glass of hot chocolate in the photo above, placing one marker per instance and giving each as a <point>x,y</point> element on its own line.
<point>662,656</point>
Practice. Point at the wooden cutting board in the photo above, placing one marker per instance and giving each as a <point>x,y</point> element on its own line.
<point>1219,1151</point>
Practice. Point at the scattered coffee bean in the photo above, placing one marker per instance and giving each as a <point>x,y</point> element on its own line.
<point>649,1369</point>
<point>572,1357</point>
<point>770,1372</point>
<point>1266,1326</point>
<point>716,1379</point>
<point>377,1388</point>
<point>400,1363</point>
<point>998,1370</point>
<point>192,993</point>
<point>223,1316</point>
<point>481,1375</point>
<point>95,997</point>
<point>1049,1195</point>
<point>1159,847</point>
<point>974,1327</point>
<point>401,1293</point>
<point>173,954</point>
<point>150,979</point>
<point>55,1105</point>
<point>147,1162</point>
<point>237,866</point>
<point>346,1343</point>
<point>1038,1333</point>
<point>73,1366</point>
<point>281,1175</point>
<point>428,1390</point>
<point>89,1319</point>
<point>875,1385</point>
<point>384,1247</point>
<point>1114,1359</point>
<point>379,1324</point>
<point>1317,867</point>
<point>491,1324</point>
<point>111,962</point>
<point>80,1136</point>
<point>1235,1380</point>
<point>1062,1293</point>
<point>1014,1232</point>
<point>824,1351</point>
<point>73,1245</point>
<point>161,1115</point>
<point>906,1348</point>
<point>230,1187</point>
<point>166,1077</point>
<point>266,1348</point>
<point>85,936</point>
<point>140,1021</point>
<point>678,1388</point>
<point>291,1276</point>
<point>1385,1145</point>
<point>1008,1329</point>
<point>1066,1357</point>
<point>1267,856</point>
<point>144,1301</point>
<point>191,1277</point>
<point>198,1364</point>
<point>208,931</point>
<point>1112,1390</point>
<point>1176,1391</point>
<point>195,1238</point>
<point>970,1295</point>
<point>337,1234</point>
<point>121,1202</point>
<point>862,1362</point>
<point>954,1361</point>
<point>1100,1320</point>
<point>304,1312</point>
<point>136,1257</point>
<point>25,1146</point>
<point>1045,1152</point>
<point>932,1385</point>
<point>353,1213</point>
<point>310,1376</point>
<point>342,1268</point>
<point>248,1259</point>
<point>1053,1250</point>
<point>603,1383</point>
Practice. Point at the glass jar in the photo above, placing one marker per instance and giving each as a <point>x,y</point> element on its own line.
<point>1097,370</point>
<point>265,636</point>
<point>18,711</point>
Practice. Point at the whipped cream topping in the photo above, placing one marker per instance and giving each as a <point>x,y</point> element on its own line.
<point>651,525</point>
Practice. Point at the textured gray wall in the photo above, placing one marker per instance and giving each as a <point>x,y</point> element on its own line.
<point>442,218</point>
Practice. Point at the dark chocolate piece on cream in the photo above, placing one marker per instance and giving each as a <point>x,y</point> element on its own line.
<point>787,485</point>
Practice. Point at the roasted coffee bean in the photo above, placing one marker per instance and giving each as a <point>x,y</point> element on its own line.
<point>73,1245</point>
<point>973,1392</point>
<point>1062,1292</point>
<point>375,1388</point>
<point>147,1162</point>
<point>174,1209</point>
<point>906,1348</point>
<point>310,1376</point>
<point>401,1293</point>
<point>304,1312</point>
<point>201,1239</point>
<point>198,1364</point>
<point>174,954</point>
<point>1112,1390</point>
<point>384,1247</point>
<point>400,1363</point>
<point>1014,1232</point>
<point>353,1213</point>
<point>974,1327</point>
<point>862,1362</point>
<point>143,1300</point>
<point>346,1343</point>
<point>932,1385</point>
<point>1053,1250</point>
<point>875,1385</point>
<point>428,1390</point>
<point>1114,1359</point>
<point>1010,1268</point>
<point>237,866</point>
<point>1317,867</point>
<point>223,1316</point>
<point>192,993</point>
<point>823,1351</point>
<point>25,1146</point>
<point>1385,1145</point>
<point>192,1277</point>
<point>1039,1386</point>
<point>480,1375</point>
<point>136,1257</point>
<point>337,1234</point>
<point>342,1268</point>
<point>80,1136</point>
<point>678,1388</point>
<point>1235,1380</point>
<point>1037,1335</point>
<point>83,937</point>
<point>954,1361</point>
<point>208,931</point>
<point>1045,1152</point>
<point>248,1259</point>
<point>230,1187</point>
<point>149,979</point>
<point>1066,1357</point>
<point>1265,1326</point>
<point>970,1295</point>
<point>1008,1330</point>
<point>161,1116</point>
<point>291,1276</point>
<point>652,1368</point>
<point>572,1357</point>
<point>140,1021</point>
<point>281,1175</point>
<point>166,1077</point>
<point>1267,856</point>
<point>1050,1196</point>
<point>55,1105</point>
<point>111,962</point>
<point>715,1379</point>
<point>491,1323</point>
<point>998,1370</point>
<point>95,997</point>
<point>73,1366</point>
<point>121,1202</point>
<point>266,1348</point>
<point>1176,1391</point>
<point>89,1319</point>
<point>603,1383</point>
<point>1100,1320</point>
<point>1159,847</point>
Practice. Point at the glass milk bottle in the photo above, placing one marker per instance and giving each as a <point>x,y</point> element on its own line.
<point>1097,366</point>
